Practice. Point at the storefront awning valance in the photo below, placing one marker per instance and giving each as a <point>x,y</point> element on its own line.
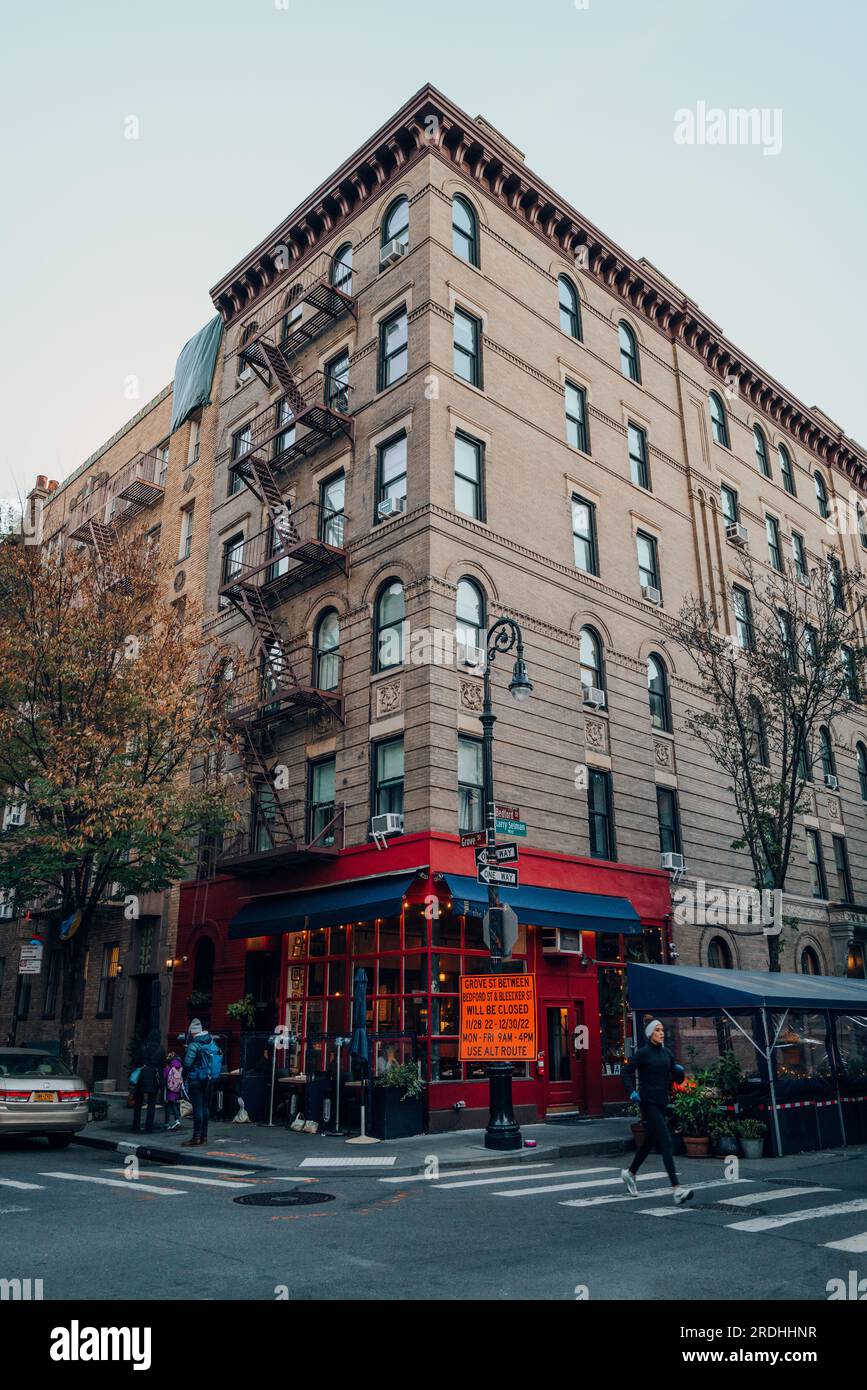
<point>550,907</point>
<point>360,901</point>
<point>679,988</point>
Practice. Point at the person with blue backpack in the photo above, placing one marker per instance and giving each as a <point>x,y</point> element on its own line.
<point>202,1065</point>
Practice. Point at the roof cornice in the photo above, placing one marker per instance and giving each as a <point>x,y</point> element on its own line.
<point>430,123</point>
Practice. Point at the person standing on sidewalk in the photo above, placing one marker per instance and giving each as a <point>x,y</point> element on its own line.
<point>198,1071</point>
<point>150,1062</point>
<point>648,1075</point>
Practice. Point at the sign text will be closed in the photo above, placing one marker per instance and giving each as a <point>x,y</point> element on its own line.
<point>498,1018</point>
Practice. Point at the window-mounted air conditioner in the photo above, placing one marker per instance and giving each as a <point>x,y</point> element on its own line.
<point>561,941</point>
<point>391,253</point>
<point>390,824</point>
<point>737,533</point>
<point>674,863</point>
<point>651,594</point>
<point>392,506</point>
<point>471,655</point>
<point>831,782</point>
<point>593,696</point>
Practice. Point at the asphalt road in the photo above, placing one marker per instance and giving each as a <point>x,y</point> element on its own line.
<point>561,1230</point>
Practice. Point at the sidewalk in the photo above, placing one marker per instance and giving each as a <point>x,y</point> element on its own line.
<point>282,1150</point>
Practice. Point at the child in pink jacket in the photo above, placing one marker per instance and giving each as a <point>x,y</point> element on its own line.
<point>173,1078</point>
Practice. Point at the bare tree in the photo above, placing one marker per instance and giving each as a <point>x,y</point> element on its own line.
<point>793,665</point>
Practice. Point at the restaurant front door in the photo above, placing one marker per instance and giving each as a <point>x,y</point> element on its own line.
<point>564,1066</point>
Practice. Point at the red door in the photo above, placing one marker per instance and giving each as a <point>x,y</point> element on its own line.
<point>564,1066</point>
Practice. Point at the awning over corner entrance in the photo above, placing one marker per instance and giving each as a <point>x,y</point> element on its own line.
<point>358,901</point>
<point>550,907</point>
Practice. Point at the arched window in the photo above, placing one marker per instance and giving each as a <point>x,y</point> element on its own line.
<point>326,651</point>
<point>821,496</point>
<point>718,422</point>
<point>203,971</point>
<point>719,954</point>
<point>629,364</point>
<point>590,656</point>
<point>826,753</point>
<point>389,632</point>
<point>465,231</point>
<point>786,469</point>
<point>657,690</point>
<point>810,962</point>
<point>470,622</point>
<point>762,452</point>
<point>341,268</point>
<point>395,224</point>
<point>861,752</point>
<point>570,311</point>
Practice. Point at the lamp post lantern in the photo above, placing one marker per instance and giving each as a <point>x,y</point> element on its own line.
<point>503,1131</point>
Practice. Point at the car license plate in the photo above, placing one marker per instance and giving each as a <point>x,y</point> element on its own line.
<point>40,1096</point>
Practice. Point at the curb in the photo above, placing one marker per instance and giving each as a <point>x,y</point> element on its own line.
<point>588,1149</point>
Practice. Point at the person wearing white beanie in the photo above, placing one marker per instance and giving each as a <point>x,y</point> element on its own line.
<point>648,1076</point>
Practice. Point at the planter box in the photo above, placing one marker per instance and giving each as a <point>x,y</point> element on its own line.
<point>752,1148</point>
<point>393,1118</point>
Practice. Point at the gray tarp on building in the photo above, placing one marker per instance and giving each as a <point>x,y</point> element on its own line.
<point>195,372</point>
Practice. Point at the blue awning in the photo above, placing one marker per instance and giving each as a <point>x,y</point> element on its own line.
<point>681,989</point>
<point>322,907</point>
<point>550,907</point>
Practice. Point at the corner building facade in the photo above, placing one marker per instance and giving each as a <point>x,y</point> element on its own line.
<point>445,397</point>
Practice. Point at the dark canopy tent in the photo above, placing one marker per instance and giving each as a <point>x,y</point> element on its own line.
<point>760,1005</point>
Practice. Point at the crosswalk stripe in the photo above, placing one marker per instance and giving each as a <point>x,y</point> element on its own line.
<point>218,1172</point>
<point>531,1177</point>
<point>23,1186</point>
<point>663,1211</point>
<point>118,1182</point>
<point>571,1186</point>
<point>778,1196</point>
<point>855,1245</point>
<point>659,1192</point>
<point>387,1162</point>
<point>469,1172</point>
<point>188,1177</point>
<point>773,1223</point>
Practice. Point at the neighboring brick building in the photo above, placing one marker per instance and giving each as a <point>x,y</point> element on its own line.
<point>145,478</point>
<point>448,331</point>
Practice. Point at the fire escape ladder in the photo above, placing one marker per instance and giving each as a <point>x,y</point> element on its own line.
<point>255,610</point>
<point>264,775</point>
<point>279,366</point>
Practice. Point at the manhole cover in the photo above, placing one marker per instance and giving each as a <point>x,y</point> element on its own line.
<point>283,1199</point>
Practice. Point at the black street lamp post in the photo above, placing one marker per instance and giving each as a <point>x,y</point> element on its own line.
<point>503,1131</point>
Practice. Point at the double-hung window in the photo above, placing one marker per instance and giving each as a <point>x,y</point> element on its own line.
<point>600,815</point>
<point>648,560</point>
<point>743,617</point>
<point>392,348</point>
<point>577,433</point>
<point>469,476</point>
<point>775,554</point>
<point>468,348</point>
<point>638,465</point>
<point>584,535</point>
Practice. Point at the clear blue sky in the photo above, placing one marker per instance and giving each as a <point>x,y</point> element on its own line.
<point>111,245</point>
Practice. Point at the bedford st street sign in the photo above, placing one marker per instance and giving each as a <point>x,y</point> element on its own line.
<point>504,878</point>
<point>497,854</point>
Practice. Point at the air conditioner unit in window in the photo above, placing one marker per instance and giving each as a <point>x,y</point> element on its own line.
<point>738,535</point>
<point>651,594</point>
<point>390,824</point>
<point>471,655</point>
<point>392,252</point>
<point>831,782</point>
<point>6,908</point>
<point>593,696</point>
<point>674,863</point>
<point>392,506</point>
<point>561,941</point>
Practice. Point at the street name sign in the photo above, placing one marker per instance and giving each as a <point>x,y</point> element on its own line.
<point>497,854</point>
<point>498,1018</point>
<point>510,827</point>
<point>508,812</point>
<point>503,878</point>
<point>470,839</point>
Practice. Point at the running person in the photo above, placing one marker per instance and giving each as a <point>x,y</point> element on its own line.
<point>656,1069</point>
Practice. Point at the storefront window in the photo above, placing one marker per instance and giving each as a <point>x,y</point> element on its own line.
<point>612,1019</point>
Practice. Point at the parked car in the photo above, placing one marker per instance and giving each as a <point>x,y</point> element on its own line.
<point>40,1095</point>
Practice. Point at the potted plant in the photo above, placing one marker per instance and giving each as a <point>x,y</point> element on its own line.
<point>397,1102</point>
<point>243,1011</point>
<point>199,1001</point>
<point>637,1126</point>
<point>752,1137</point>
<point>693,1108</point>
<point>724,1136</point>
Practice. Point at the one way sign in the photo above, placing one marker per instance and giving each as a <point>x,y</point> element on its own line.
<point>497,854</point>
<point>504,878</point>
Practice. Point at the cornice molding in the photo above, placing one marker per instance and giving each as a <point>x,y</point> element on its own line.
<point>431,124</point>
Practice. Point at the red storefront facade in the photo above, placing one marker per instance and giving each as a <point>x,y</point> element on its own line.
<point>414,950</point>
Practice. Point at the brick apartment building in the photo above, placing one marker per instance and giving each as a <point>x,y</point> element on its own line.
<point>157,482</point>
<point>474,403</point>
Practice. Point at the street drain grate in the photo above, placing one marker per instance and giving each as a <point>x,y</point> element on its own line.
<point>283,1199</point>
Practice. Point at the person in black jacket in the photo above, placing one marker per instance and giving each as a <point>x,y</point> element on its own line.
<point>655,1069</point>
<point>150,1060</point>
